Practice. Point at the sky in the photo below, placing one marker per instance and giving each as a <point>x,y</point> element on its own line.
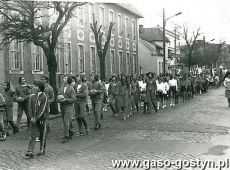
<point>212,16</point>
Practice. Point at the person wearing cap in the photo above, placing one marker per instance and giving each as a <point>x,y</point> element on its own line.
<point>96,92</point>
<point>81,91</point>
<point>23,92</point>
<point>38,109</point>
<point>66,99</point>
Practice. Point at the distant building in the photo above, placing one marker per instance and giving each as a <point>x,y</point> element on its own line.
<point>76,50</point>
<point>155,37</point>
<point>150,57</point>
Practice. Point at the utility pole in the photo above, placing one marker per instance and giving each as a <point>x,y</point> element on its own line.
<point>163,40</point>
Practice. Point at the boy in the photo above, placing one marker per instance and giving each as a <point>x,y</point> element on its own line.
<point>38,106</point>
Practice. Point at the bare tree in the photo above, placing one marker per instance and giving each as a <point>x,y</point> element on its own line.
<point>101,51</point>
<point>190,42</point>
<point>21,21</point>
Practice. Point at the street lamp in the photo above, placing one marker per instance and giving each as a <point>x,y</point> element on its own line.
<point>164,24</point>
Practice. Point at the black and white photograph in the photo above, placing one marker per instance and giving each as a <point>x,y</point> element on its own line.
<point>115,84</point>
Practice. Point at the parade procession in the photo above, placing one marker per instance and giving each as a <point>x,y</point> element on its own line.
<point>114,85</point>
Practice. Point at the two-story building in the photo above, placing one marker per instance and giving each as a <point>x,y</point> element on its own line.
<point>76,50</point>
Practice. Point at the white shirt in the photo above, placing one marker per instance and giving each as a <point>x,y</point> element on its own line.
<point>65,88</point>
<point>173,82</point>
<point>160,87</point>
<point>78,87</point>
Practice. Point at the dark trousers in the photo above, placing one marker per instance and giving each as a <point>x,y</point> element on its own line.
<point>23,107</point>
<point>151,101</point>
<point>80,113</point>
<point>38,129</point>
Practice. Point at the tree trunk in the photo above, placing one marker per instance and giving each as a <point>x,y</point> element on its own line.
<point>102,67</point>
<point>189,62</point>
<point>52,67</point>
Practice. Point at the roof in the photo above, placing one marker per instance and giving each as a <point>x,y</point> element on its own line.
<point>149,45</point>
<point>130,8</point>
<point>152,34</point>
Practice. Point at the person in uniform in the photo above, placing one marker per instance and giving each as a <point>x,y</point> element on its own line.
<point>38,109</point>
<point>81,90</point>
<point>151,88</point>
<point>96,92</point>
<point>66,98</point>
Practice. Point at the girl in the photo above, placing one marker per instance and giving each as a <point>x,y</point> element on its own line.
<point>172,89</point>
<point>160,89</point>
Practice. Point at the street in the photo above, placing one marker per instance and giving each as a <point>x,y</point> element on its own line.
<point>196,129</point>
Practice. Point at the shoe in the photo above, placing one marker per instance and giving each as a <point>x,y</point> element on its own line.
<point>87,131</point>
<point>116,115</point>
<point>81,133</point>
<point>65,139</point>
<point>7,134</point>
<point>3,138</point>
<point>99,125</point>
<point>40,153</point>
<point>37,139</point>
<point>171,104</point>
<point>30,154</point>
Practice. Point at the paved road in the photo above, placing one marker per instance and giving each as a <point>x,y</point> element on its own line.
<point>197,129</point>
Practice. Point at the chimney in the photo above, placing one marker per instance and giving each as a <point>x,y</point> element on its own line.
<point>141,28</point>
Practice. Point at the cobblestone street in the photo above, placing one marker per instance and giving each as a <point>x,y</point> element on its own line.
<point>198,128</point>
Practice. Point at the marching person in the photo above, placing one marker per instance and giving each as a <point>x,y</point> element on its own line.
<point>9,94</point>
<point>113,94</point>
<point>96,92</point>
<point>23,92</point>
<point>135,94</point>
<point>81,91</point>
<point>66,99</point>
<point>2,110</point>
<point>151,88</point>
<point>50,96</point>
<point>227,87</point>
<point>38,107</point>
<point>173,89</point>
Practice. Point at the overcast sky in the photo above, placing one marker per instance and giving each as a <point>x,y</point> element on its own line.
<point>212,16</point>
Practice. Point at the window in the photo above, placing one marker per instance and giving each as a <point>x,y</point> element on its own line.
<point>120,62</point>
<point>111,16</point>
<point>126,27</point>
<point>134,30</point>
<point>80,16</point>
<point>91,12</point>
<point>112,61</point>
<point>58,59</point>
<point>102,16</point>
<point>127,62</point>
<point>134,64</point>
<point>93,59</point>
<point>16,56</point>
<point>37,58</point>
<point>81,58</point>
<point>119,24</point>
<point>68,59</point>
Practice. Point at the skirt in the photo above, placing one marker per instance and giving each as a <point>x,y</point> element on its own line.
<point>227,93</point>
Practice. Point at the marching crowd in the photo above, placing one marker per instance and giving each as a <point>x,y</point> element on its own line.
<point>126,95</point>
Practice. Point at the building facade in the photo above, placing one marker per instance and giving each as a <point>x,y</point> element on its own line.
<point>76,50</point>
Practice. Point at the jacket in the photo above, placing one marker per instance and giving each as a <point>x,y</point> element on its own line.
<point>38,106</point>
<point>69,95</point>
<point>23,91</point>
<point>2,102</point>
<point>82,93</point>
<point>100,90</point>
